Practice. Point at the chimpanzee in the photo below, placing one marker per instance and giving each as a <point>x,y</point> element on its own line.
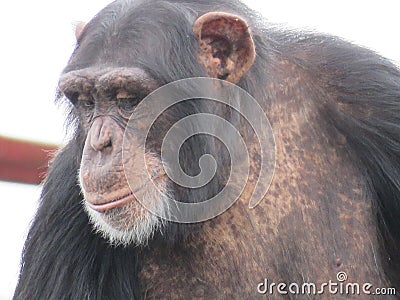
<point>334,201</point>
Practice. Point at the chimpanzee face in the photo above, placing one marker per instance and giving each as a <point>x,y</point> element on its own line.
<point>104,94</point>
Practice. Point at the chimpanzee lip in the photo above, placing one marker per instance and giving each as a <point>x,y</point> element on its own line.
<point>114,203</point>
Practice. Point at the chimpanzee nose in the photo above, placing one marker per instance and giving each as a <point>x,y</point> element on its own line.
<point>100,135</point>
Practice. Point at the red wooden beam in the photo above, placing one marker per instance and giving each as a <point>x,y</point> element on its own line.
<point>24,161</point>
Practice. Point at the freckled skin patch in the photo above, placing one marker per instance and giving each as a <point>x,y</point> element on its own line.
<point>317,209</point>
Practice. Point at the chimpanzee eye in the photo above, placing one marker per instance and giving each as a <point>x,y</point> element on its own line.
<point>127,102</point>
<point>85,102</point>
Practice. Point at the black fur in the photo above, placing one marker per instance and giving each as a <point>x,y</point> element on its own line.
<point>64,259</point>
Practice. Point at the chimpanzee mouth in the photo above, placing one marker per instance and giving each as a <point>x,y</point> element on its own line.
<point>112,200</point>
<point>120,201</point>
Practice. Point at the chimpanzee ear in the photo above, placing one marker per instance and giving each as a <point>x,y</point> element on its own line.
<point>79,26</point>
<point>226,46</point>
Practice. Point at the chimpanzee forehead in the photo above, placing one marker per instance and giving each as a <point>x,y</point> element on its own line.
<point>160,38</point>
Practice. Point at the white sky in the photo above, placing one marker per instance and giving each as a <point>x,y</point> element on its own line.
<point>37,39</point>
